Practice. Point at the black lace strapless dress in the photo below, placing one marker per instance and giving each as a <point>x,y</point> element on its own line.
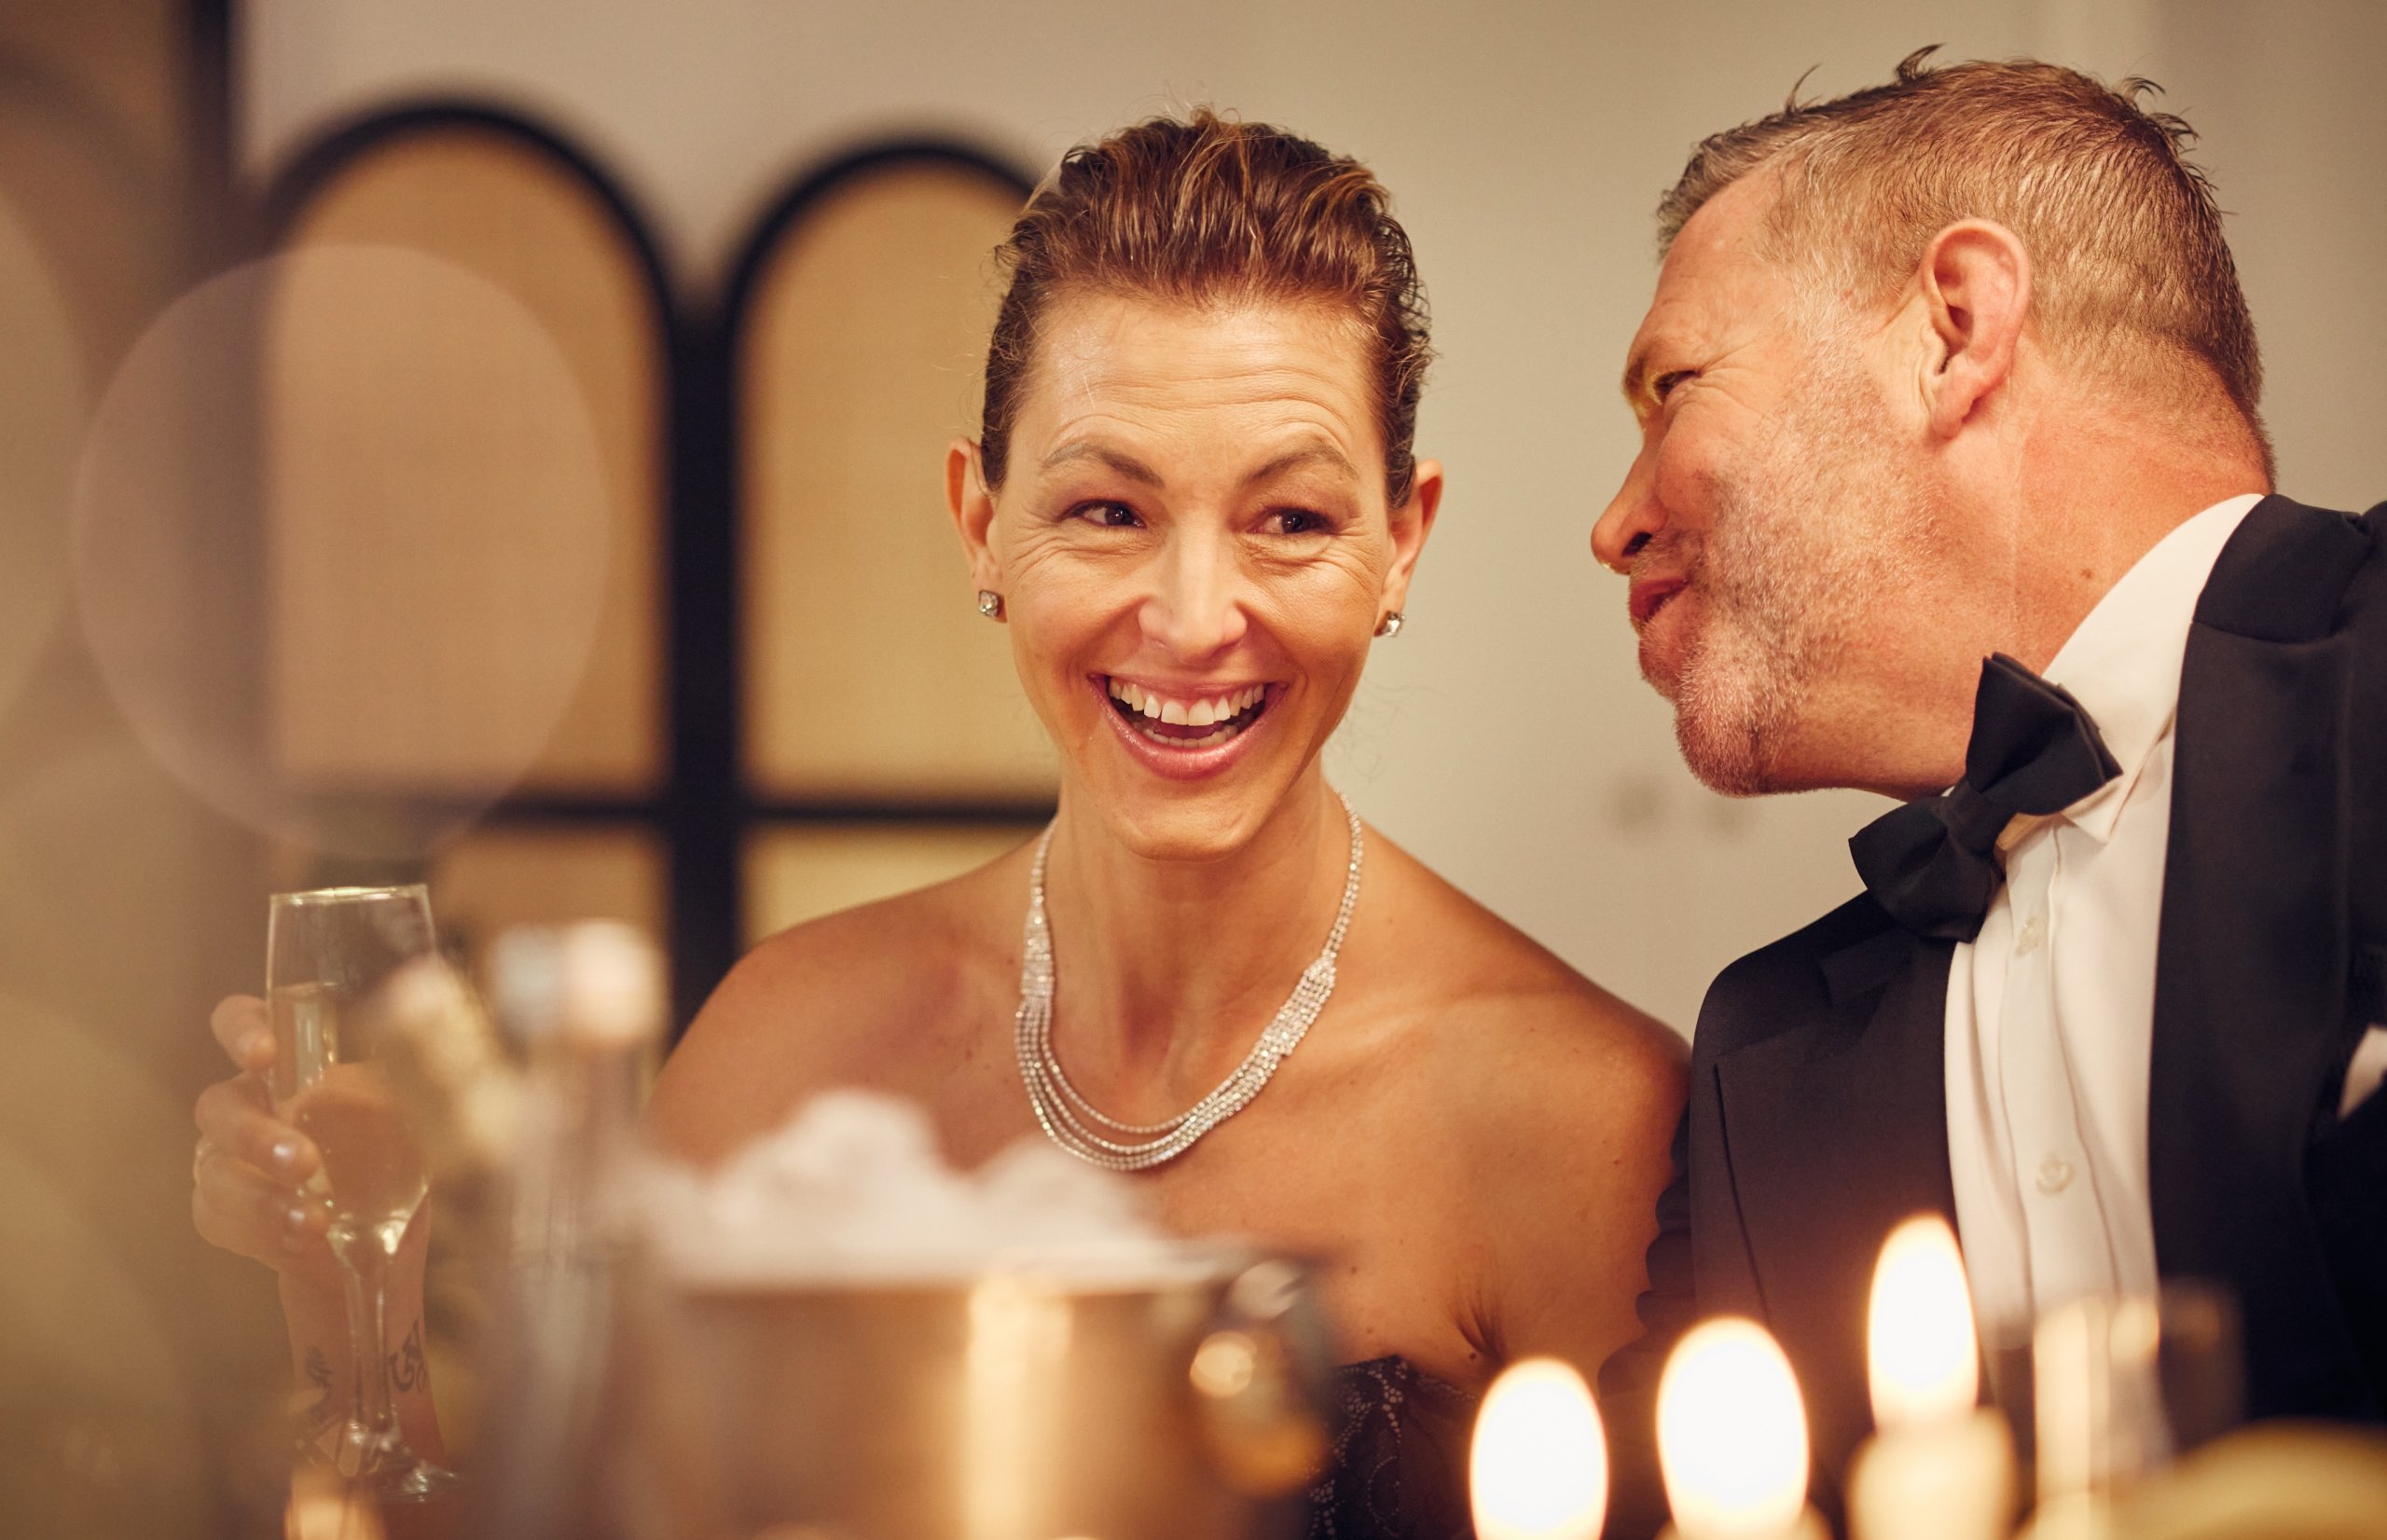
<point>1398,1466</point>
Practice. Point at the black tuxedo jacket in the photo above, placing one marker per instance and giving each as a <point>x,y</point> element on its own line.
<point>1817,1115</point>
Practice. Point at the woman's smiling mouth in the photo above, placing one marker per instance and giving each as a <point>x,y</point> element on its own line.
<point>1203,719</point>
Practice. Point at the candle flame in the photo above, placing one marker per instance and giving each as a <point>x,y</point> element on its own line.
<point>1732,1434</point>
<point>1923,1358</point>
<point>1538,1469</point>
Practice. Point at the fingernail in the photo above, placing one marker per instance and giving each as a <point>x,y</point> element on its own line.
<point>286,1153</point>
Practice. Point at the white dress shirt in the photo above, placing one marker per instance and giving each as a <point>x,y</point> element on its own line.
<point>2051,1008</point>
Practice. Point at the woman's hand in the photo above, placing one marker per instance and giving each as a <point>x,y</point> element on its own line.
<point>249,1195</point>
<point>249,1174</point>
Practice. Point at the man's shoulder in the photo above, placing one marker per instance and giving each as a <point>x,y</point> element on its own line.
<point>2293,576</point>
<point>1769,989</point>
<point>2369,587</point>
<point>2296,572</point>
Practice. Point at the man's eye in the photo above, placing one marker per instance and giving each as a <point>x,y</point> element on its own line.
<point>1663,385</point>
<point>1111,516</point>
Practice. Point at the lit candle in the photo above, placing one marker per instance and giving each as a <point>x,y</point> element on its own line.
<point>1733,1437</point>
<point>1539,1467</point>
<point>1940,1466</point>
<point>1923,1359</point>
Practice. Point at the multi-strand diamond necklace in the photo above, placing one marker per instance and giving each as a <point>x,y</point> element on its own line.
<point>1075,1125</point>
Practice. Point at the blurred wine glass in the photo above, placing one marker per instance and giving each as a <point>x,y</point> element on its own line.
<point>2122,1388</point>
<point>328,952</point>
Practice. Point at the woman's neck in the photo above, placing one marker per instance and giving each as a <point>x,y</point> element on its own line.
<point>1166,973</point>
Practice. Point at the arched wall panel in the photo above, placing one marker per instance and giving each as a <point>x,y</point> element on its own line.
<point>485,452</point>
<point>867,671</point>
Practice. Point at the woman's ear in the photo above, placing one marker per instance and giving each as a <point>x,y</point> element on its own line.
<point>1976,282</point>
<point>973,510</point>
<point>1412,522</point>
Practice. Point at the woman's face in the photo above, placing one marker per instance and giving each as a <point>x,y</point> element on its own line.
<point>1193,549</point>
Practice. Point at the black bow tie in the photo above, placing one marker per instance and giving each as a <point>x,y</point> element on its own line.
<point>1933,865</point>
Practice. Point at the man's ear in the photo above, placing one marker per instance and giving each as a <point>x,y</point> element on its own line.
<point>1976,279</point>
<point>973,510</point>
<point>1412,522</point>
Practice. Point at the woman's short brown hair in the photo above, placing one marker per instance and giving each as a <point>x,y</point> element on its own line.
<point>1209,211</point>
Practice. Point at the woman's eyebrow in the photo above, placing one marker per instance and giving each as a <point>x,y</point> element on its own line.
<point>1136,469</point>
<point>1118,460</point>
<point>1309,454</point>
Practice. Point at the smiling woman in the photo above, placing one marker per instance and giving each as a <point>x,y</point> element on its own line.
<point>1194,503</point>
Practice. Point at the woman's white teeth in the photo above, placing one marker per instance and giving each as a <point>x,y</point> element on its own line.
<point>1215,711</point>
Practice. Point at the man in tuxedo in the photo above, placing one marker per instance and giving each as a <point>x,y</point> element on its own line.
<point>1952,486</point>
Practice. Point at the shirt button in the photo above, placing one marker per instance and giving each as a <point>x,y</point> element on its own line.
<point>2055,1175</point>
<point>2027,939</point>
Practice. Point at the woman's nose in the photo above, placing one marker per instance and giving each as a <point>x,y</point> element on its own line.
<point>1196,607</point>
<point>1633,517</point>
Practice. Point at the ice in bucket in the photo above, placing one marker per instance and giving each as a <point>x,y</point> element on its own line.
<point>853,1189</point>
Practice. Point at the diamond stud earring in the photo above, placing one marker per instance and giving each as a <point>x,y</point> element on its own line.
<point>990,604</point>
<point>1391,624</point>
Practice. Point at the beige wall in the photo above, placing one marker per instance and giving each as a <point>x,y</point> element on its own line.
<point>1505,737</point>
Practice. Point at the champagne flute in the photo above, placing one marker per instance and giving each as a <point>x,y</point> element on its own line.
<point>327,953</point>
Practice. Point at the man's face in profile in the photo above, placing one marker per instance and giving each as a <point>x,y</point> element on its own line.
<point>1769,517</point>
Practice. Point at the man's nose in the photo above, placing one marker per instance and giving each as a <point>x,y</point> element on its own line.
<point>1633,517</point>
<point>1196,607</point>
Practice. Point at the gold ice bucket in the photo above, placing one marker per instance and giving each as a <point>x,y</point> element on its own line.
<point>1017,1406</point>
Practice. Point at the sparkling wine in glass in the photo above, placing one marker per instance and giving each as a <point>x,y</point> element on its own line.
<point>328,953</point>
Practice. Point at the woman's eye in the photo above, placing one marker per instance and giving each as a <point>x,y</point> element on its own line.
<point>1297,521</point>
<point>1111,516</point>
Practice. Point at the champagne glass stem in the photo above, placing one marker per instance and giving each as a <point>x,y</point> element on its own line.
<point>372,1419</point>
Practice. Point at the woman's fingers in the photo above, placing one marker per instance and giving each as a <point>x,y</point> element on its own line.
<point>247,1170</point>
<point>246,1031</point>
<point>234,1118</point>
<point>244,1210</point>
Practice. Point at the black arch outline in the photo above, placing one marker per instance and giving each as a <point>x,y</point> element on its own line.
<point>795,203</point>
<point>675,811</point>
<point>304,174</point>
<point>720,422</point>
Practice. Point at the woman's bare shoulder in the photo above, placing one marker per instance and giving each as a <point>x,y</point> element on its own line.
<point>837,1001</point>
<point>1550,1106</point>
<point>888,952</point>
<point>1501,999</point>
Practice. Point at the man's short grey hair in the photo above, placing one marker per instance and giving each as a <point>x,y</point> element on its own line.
<point>2131,276</point>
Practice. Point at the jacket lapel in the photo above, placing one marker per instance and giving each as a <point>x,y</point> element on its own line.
<point>1835,1129</point>
<point>2254,955</point>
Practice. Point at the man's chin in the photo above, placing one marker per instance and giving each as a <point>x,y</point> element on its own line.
<point>1732,762</point>
<point>1728,738</point>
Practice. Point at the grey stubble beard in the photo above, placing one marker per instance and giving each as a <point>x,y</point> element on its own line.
<point>1823,524</point>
